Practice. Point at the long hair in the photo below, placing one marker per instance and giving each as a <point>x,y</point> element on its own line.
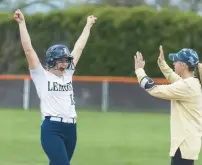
<point>198,71</point>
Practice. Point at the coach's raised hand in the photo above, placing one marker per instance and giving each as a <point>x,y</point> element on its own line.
<point>30,53</point>
<point>161,55</point>
<point>139,61</point>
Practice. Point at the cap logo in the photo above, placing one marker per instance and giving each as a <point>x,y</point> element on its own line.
<point>65,50</point>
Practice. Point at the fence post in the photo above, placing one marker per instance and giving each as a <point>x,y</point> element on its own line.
<point>26,94</point>
<point>105,96</point>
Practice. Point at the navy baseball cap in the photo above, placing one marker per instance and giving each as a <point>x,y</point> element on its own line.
<point>188,56</point>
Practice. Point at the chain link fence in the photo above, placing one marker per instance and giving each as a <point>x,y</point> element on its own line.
<point>100,96</point>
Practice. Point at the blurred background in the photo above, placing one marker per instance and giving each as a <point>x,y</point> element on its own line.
<point>118,122</point>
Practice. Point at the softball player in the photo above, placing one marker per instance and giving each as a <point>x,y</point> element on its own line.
<point>55,90</point>
<point>185,93</point>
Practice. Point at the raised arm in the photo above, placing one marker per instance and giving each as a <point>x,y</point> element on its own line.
<point>175,91</point>
<point>81,42</point>
<point>30,53</point>
<point>165,69</point>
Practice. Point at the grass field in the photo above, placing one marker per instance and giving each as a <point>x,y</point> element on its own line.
<point>103,139</point>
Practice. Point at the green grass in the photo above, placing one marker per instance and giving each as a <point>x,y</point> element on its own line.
<point>103,139</point>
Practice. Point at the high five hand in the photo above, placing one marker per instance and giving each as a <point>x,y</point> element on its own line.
<point>91,20</point>
<point>161,54</point>
<point>18,16</point>
<point>139,61</point>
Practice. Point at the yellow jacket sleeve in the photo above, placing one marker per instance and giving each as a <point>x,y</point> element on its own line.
<point>175,91</point>
<point>168,72</point>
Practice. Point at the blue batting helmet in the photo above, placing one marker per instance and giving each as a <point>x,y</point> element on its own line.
<point>56,52</point>
<point>188,56</point>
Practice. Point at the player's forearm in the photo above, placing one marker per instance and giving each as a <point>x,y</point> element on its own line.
<point>25,38</point>
<point>81,42</point>
<point>30,53</point>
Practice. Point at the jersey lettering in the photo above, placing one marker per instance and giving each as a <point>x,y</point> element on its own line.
<point>55,86</point>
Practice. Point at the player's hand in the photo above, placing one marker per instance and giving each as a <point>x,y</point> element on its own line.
<point>91,20</point>
<point>161,55</point>
<point>139,61</point>
<point>18,16</point>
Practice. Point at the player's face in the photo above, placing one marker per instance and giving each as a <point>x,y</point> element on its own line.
<point>179,67</point>
<point>62,64</point>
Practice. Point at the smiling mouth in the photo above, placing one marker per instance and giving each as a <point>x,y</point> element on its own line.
<point>61,69</point>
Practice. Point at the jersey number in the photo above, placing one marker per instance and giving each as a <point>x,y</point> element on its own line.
<point>72,99</point>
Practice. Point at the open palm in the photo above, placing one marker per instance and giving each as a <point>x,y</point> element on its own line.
<point>139,61</point>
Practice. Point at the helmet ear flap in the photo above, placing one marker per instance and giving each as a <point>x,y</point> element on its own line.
<point>71,64</point>
<point>51,63</point>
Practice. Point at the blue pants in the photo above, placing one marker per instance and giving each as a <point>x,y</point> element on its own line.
<point>58,140</point>
<point>177,159</point>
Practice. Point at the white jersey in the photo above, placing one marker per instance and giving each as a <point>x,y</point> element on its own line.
<point>55,93</point>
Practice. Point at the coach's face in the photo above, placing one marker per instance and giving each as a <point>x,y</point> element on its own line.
<point>179,67</point>
<point>62,64</point>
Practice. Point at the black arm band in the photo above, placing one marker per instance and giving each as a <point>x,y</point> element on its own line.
<point>147,83</point>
